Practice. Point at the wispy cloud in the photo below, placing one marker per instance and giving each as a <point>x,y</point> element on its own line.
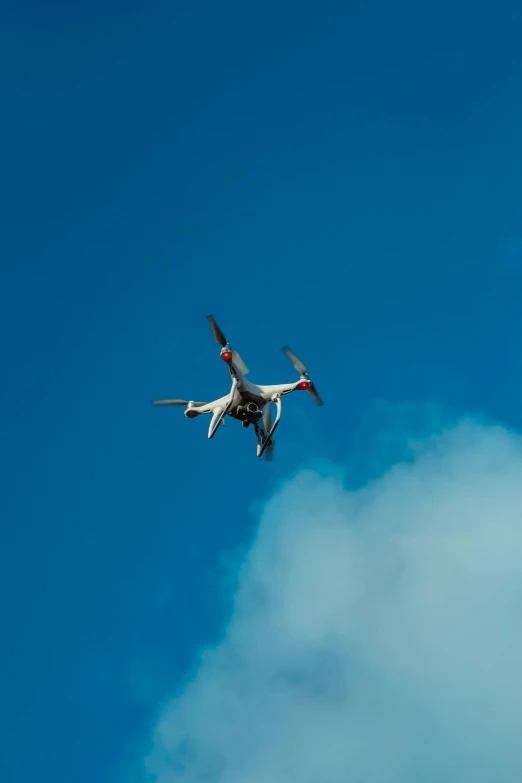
<point>376,635</point>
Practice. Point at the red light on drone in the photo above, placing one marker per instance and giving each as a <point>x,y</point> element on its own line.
<point>226,356</point>
<point>303,385</point>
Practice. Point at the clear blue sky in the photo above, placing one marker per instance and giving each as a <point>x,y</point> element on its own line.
<point>344,177</point>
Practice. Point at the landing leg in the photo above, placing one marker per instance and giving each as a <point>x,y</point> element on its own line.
<point>265,443</point>
<point>260,434</point>
<point>264,438</point>
<point>219,413</point>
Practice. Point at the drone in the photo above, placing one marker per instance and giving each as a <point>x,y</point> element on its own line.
<point>247,402</point>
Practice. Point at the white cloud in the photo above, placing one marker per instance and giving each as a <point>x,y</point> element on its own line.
<point>376,635</point>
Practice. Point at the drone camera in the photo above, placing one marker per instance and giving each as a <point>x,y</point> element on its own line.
<point>250,412</point>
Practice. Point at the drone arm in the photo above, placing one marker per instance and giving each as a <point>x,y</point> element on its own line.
<point>304,384</point>
<point>280,389</point>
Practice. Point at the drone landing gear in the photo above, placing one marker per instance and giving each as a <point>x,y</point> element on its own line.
<point>218,415</point>
<point>264,445</point>
<point>265,431</point>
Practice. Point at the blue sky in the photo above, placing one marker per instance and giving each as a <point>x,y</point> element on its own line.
<point>344,178</point>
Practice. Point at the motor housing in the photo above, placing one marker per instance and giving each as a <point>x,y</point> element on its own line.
<point>191,412</point>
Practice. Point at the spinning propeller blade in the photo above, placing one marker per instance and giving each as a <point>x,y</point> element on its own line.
<point>299,366</point>
<point>313,392</point>
<point>301,369</point>
<point>267,419</point>
<point>220,338</point>
<point>267,423</point>
<point>175,402</point>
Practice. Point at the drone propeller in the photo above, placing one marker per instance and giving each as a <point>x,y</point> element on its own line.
<point>312,391</point>
<point>220,338</point>
<point>301,369</point>
<point>267,418</point>
<point>298,364</point>
<point>267,423</point>
<point>176,402</point>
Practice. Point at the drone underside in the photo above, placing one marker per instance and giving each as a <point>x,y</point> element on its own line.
<point>246,401</point>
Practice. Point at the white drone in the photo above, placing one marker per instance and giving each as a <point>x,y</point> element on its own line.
<point>246,401</point>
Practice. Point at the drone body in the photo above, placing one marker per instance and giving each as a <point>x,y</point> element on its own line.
<point>247,402</point>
